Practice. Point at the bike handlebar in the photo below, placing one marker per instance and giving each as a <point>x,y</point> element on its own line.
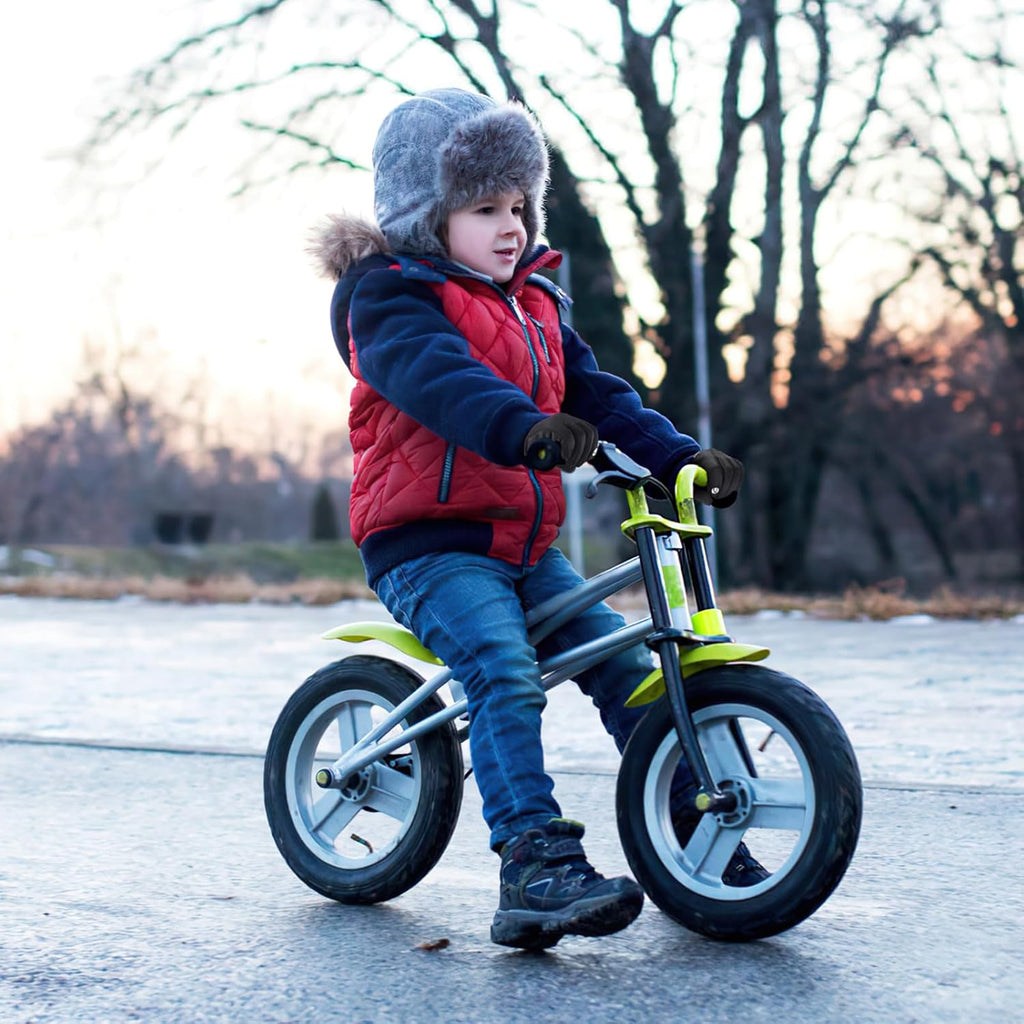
<point>616,468</point>
<point>544,454</point>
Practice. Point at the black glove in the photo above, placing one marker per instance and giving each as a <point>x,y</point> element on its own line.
<point>725,474</point>
<point>577,438</point>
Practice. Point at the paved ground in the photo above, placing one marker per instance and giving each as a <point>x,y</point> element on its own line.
<point>143,884</point>
<point>923,701</point>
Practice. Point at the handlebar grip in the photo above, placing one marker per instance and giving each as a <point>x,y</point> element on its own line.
<point>544,454</point>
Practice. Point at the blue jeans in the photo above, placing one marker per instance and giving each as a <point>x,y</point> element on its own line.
<point>469,610</point>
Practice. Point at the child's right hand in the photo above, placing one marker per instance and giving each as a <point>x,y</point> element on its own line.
<point>577,438</point>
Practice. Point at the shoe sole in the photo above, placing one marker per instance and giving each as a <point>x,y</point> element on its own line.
<point>541,929</point>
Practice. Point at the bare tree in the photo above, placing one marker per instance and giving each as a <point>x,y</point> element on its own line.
<point>973,215</point>
<point>126,445</point>
<point>623,99</point>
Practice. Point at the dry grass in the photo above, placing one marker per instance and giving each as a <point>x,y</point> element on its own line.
<point>212,590</point>
<point>885,601</point>
<point>325,573</point>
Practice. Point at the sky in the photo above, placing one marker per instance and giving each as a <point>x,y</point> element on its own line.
<point>205,285</point>
<point>211,286</point>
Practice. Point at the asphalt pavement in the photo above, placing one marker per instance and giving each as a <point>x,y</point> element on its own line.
<point>139,881</point>
<point>145,886</point>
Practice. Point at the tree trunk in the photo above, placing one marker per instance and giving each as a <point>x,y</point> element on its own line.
<point>668,239</point>
<point>597,310</point>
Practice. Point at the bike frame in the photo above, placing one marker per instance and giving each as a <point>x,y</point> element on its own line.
<point>672,563</point>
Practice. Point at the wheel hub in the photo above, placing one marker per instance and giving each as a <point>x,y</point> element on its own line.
<point>358,784</point>
<point>744,803</point>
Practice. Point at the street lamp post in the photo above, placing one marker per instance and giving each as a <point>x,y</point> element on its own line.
<point>700,360</point>
<point>574,511</point>
<point>573,482</point>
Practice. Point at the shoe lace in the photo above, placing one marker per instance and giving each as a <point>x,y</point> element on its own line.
<point>583,868</point>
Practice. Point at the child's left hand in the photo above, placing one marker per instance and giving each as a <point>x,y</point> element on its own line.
<point>725,475</point>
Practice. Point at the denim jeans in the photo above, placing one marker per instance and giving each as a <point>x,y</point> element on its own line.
<point>470,611</point>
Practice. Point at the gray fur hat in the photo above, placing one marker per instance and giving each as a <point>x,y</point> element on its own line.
<point>445,149</point>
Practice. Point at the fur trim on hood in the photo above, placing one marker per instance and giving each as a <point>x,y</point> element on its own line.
<point>342,241</point>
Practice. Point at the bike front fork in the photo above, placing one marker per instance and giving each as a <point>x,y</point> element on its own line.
<point>672,628</point>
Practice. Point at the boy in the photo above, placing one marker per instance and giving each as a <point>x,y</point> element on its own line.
<point>461,363</point>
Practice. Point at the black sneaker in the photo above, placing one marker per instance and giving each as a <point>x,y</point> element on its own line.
<point>742,870</point>
<point>549,889</point>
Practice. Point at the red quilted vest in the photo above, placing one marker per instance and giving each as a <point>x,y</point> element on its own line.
<point>405,473</point>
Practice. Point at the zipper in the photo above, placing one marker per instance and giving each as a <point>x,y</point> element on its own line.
<point>537,518</point>
<point>529,345</point>
<point>543,338</point>
<point>510,301</point>
<point>445,487</point>
<point>538,493</point>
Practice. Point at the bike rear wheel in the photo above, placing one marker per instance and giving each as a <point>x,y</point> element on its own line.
<point>774,743</point>
<point>390,823</point>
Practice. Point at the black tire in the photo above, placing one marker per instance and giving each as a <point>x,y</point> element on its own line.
<point>800,804</point>
<point>338,842</point>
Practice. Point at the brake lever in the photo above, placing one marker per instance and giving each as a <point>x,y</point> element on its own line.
<point>617,468</point>
<point>614,477</point>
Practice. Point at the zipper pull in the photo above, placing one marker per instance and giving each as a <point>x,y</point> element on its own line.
<point>518,312</point>
<point>543,337</point>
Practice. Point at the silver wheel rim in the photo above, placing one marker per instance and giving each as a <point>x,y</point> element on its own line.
<point>779,802</point>
<point>362,824</point>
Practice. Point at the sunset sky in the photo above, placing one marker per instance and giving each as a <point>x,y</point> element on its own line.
<point>209,284</point>
<point>205,286</point>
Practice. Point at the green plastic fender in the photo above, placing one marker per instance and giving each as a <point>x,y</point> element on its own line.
<point>401,639</point>
<point>693,660</point>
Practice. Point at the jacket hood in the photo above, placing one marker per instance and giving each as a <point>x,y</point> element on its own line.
<point>344,249</point>
<point>342,241</point>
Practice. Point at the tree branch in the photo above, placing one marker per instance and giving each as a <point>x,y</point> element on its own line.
<point>628,188</point>
<point>331,157</point>
<point>264,10</point>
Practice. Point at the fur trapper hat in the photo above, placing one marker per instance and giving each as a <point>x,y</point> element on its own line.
<point>445,149</point>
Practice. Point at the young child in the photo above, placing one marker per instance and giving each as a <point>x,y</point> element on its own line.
<point>461,363</point>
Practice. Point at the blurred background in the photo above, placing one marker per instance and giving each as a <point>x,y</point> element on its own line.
<point>827,194</point>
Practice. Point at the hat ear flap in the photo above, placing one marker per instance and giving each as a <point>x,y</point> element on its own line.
<point>533,219</point>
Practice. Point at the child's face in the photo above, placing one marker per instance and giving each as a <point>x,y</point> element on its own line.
<point>489,236</point>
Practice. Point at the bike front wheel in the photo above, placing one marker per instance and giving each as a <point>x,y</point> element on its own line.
<point>388,825</point>
<point>776,745</point>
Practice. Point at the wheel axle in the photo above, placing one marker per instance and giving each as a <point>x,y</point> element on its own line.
<point>353,787</point>
<point>716,803</point>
